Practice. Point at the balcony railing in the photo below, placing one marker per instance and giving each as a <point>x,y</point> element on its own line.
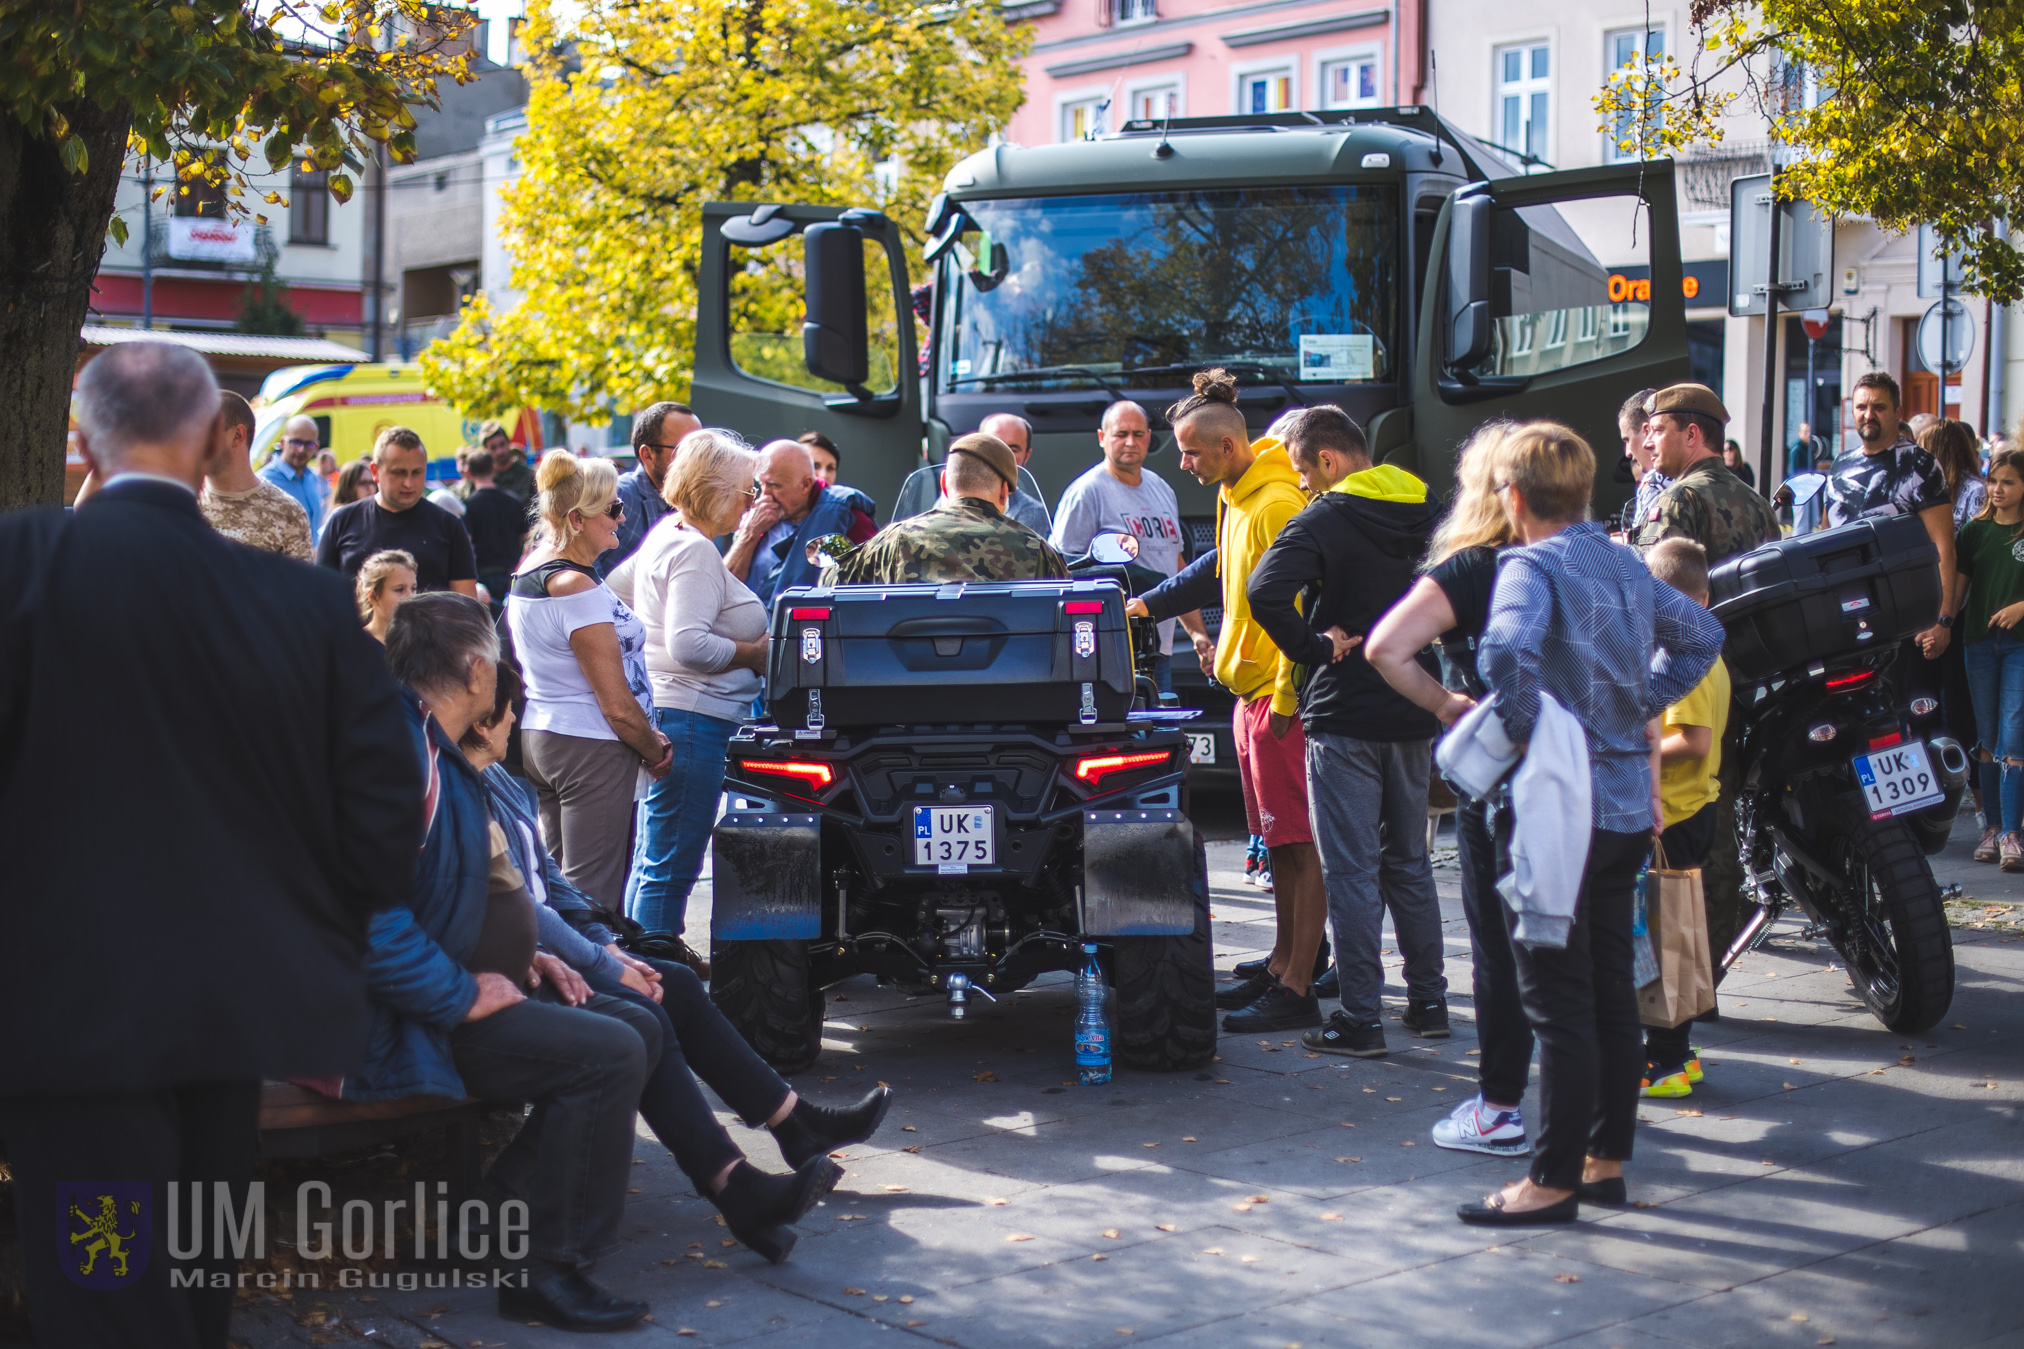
<point>1704,175</point>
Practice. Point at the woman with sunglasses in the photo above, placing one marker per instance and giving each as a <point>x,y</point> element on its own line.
<point>588,730</point>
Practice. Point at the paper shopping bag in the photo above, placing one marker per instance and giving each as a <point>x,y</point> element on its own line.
<point>1677,917</point>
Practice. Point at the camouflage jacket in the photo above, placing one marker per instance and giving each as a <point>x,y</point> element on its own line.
<point>961,539</point>
<point>1714,508</point>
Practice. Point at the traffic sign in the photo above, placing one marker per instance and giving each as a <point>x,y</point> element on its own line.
<point>1947,337</point>
<point>1815,321</point>
<point>1805,277</point>
<point>1939,272</point>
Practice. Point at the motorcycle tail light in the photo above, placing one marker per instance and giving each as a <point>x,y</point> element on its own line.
<point>1094,769</point>
<point>1849,683</point>
<point>1885,741</point>
<point>813,775</point>
<point>1925,707</point>
<point>1820,732</point>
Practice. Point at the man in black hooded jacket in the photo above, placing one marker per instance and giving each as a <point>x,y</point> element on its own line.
<point>1328,577</point>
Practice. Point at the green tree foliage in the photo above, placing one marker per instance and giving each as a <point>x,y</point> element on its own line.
<point>1905,111</point>
<point>264,307</point>
<point>642,110</point>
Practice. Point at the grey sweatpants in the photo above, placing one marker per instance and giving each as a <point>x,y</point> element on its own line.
<point>1367,800</point>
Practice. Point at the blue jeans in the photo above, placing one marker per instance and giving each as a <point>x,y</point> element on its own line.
<point>1162,673</point>
<point>1996,685</point>
<point>675,820</point>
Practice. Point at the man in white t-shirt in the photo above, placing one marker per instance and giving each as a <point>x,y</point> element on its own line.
<point>1122,495</point>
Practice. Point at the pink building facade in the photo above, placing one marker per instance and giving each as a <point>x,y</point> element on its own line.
<point>1097,64</point>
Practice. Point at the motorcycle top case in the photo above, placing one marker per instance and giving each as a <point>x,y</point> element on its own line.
<point>1857,587</point>
<point>1045,652</point>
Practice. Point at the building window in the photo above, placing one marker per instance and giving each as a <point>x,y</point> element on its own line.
<point>196,197</point>
<point>1136,11</point>
<point>308,208</point>
<point>1156,105</point>
<point>1083,118</point>
<point>1630,48</point>
<point>1524,97</point>
<point>1350,83</point>
<point>1265,91</point>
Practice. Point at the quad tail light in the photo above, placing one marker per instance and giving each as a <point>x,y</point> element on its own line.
<point>1849,683</point>
<point>1094,769</point>
<point>800,615</point>
<point>1083,607</point>
<point>814,775</point>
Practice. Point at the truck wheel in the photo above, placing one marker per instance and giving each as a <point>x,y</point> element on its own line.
<point>1166,991</point>
<point>763,989</point>
<point>1900,954</point>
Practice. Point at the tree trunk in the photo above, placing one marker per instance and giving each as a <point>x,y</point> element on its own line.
<point>52,233</point>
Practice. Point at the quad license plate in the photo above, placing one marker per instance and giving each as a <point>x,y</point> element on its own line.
<point>952,839</point>
<point>1201,747</point>
<point>1897,780</point>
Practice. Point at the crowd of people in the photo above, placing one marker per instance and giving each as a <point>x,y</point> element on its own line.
<point>504,834</point>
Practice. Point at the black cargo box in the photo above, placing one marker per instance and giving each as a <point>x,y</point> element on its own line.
<point>1030,652</point>
<point>1812,597</point>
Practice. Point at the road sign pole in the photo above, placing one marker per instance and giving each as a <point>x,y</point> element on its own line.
<point>1771,340</point>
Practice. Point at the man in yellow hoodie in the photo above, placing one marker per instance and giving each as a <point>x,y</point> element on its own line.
<point>1259,491</point>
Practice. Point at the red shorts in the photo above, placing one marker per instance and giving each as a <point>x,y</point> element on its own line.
<point>1274,774</point>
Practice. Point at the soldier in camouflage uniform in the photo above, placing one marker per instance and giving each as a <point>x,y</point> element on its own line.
<point>966,537</point>
<point>1706,502</point>
<point>1716,509</point>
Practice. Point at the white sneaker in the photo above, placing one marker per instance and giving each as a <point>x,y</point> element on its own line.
<point>1471,1128</point>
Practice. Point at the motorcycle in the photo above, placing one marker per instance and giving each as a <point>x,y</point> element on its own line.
<point>1847,780</point>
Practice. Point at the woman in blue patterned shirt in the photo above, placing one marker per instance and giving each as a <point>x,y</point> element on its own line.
<point>1579,617</point>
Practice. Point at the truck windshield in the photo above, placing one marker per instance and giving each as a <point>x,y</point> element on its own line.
<point>1135,289</point>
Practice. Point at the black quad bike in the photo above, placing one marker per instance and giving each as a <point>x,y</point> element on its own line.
<point>1847,779</point>
<point>960,785</point>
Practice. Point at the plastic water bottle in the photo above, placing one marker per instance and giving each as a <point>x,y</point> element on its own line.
<point>1644,962</point>
<point>1092,1027</point>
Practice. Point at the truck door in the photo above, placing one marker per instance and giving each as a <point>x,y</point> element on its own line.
<point>1529,311</point>
<point>803,324</point>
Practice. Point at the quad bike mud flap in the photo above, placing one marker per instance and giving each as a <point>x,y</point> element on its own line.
<point>766,884</point>
<point>1138,873</point>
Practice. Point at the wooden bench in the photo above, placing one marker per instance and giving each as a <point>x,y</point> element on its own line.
<point>296,1122</point>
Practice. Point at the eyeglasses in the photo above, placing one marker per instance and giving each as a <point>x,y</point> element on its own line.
<point>754,492</point>
<point>305,444</point>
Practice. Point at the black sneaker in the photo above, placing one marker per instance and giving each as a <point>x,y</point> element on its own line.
<point>1232,997</point>
<point>1278,1008</point>
<point>1250,969</point>
<point>1427,1020</point>
<point>1328,984</point>
<point>1343,1036</point>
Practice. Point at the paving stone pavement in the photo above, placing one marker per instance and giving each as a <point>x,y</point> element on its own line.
<point>1830,1183</point>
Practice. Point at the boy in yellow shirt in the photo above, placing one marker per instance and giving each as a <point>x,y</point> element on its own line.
<point>1690,754</point>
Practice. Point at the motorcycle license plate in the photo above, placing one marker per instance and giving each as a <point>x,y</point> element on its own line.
<point>1897,780</point>
<point>952,839</point>
<point>1201,748</point>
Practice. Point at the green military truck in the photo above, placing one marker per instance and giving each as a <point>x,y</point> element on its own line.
<point>1377,259</point>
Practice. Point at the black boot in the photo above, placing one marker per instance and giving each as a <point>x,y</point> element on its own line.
<point>758,1208</point>
<point>812,1131</point>
<point>569,1301</point>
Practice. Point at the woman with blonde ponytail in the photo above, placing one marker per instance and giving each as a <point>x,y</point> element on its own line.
<point>588,730</point>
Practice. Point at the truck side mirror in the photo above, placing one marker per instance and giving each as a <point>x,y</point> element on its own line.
<point>1469,321</point>
<point>834,341</point>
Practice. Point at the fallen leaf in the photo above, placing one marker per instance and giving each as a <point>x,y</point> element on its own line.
<point>908,1129</point>
<point>727,1243</point>
<point>1247,1259</point>
<point>995,1201</point>
<point>1691,1114</point>
<point>1642,1203</point>
<point>1259,1198</point>
<point>1222,1082</point>
<point>879,1297</point>
<point>1409,1144</point>
<point>1164,1227</point>
<point>1212,1250</point>
<point>913,1148</point>
<point>1240,1208</point>
<point>1793,1062</point>
<point>1349,1159</point>
<point>714,1264</point>
<point>1331,1217</point>
<point>1112,1233</point>
<point>853,1292</point>
<point>1825,1339</point>
<point>986,1076</point>
<point>906,1297</point>
<point>895,1189</point>
<point>685,1330</point>
<point>850,1217</point>
<point>634,1189</point>
<point>713,1304</point>
<point>1348,1125</point>
<point>1019,1236</point>
<point>1567,1278</point>
<point>1149,1145</point>
<point>1957,1026</point>
<point>671,1262</point>
<point>1767,1162</point>
<point>1189,1138</point>
<point>1370,1091</point>
<point>1126,1330</point>
<point>1791,1086</point>
<point>1099,1257</point>
<point>1799,1316</point>
<point>1394,1098</point>
<point>917,1323</point>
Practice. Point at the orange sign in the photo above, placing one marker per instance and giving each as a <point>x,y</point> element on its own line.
<point>1626,289</point>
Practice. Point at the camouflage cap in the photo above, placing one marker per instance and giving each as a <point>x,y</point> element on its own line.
<point>1696,398</point>
<point>493,427</point>
<point>993,451</point>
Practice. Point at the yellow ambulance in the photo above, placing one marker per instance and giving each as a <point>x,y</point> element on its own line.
<point>352,404</point>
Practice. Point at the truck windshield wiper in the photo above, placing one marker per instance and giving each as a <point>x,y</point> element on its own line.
<point>1045,372</point>
<point>1055,371</point>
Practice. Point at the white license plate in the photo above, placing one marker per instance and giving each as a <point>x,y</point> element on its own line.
<point>953,839</point>
<point>1201,748</point>
<point>1897,780</point>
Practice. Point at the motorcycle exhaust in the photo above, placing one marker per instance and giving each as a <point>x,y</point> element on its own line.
<point>1746,936</point>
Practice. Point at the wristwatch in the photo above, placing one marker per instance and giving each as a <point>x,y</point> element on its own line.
<point>1946,620</point>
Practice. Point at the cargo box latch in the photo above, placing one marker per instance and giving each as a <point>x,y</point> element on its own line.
<point>1089,704</point>
<point>815,721</point>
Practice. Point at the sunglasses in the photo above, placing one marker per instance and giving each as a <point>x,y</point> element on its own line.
<point>615,511</point>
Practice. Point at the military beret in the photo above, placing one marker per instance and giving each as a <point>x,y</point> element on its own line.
<point>992,451</point>
<point>1687,398</point>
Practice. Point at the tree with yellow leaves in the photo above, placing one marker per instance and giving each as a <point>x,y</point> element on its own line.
<point>1902,111</point>
<point>207,85</point>
<point>640,111</point>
